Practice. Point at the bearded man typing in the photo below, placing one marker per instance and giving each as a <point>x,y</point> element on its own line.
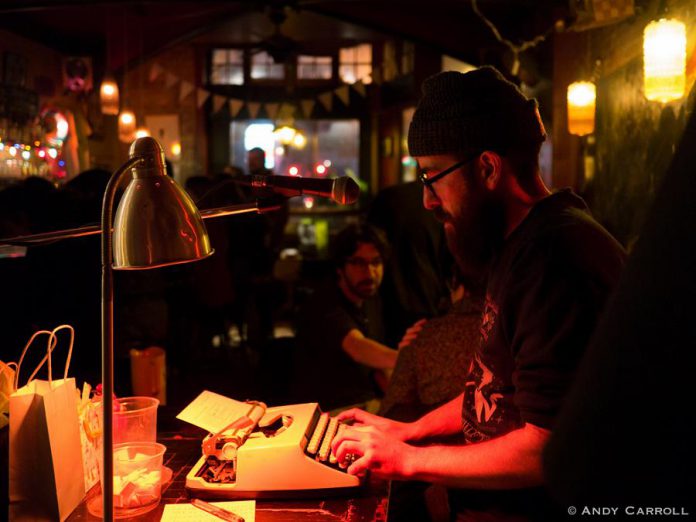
<point>549,267</point>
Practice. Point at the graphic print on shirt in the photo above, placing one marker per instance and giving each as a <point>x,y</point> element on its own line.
<point>490,314</point>
<point>484,401</point>
<point>486,411</point>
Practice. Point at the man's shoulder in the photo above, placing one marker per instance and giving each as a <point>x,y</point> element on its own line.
<point>562,224</point>
<point>563,240</point>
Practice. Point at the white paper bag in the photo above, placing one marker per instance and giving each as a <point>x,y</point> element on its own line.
<point>46,472</point>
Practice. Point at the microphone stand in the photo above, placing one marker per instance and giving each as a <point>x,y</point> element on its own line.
<point>258,206</point>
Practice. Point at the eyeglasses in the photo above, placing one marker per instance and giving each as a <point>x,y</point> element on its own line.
<point>361,262</point>
<point>428,181</point>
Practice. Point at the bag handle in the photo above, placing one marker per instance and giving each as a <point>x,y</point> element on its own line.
<point>52,341</point>
<point>6,367</point>
<point>24,352</point>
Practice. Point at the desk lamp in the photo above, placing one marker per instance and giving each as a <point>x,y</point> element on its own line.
<point>156,225</point>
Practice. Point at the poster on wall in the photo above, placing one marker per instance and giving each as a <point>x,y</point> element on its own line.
<point>77,74</point>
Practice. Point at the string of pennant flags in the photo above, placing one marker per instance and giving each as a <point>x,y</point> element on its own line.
<point>272,110</point>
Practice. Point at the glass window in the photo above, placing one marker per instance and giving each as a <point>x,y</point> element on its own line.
<point>390,68</point>
<point>227,67</point>
<point>263,67</point>
<point>407,57</point>
<point>314,67</point>
<point>355,63</point>
<point>332,149</point>
<point>261,135</point>
<point>409,167</point>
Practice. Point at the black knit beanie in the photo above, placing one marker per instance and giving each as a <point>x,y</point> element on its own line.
<point>472,112</point>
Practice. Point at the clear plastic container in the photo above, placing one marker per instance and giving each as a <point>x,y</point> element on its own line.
<point>136,421</point>
<point>137,477</point>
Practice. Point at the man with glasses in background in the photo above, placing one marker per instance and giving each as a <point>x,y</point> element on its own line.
<point>549,268</point>
<point>340,355</point>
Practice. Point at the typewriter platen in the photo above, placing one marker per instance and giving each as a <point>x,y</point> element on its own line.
<point>276,452</point>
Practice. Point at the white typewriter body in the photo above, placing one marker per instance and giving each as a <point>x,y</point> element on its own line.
<point>277,463</point>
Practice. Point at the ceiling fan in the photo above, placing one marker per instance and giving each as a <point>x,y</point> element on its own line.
<point>277,45</point>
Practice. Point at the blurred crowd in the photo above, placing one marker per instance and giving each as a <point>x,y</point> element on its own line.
<point>233,314</point>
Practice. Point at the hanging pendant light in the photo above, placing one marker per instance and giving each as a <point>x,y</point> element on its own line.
<point>108,95</point>
<point>664,60</point>
<point>581,108</point>
<point>126,126</point>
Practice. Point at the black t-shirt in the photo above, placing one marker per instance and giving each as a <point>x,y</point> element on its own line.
<point>327,374</point>
<point>546,290</point>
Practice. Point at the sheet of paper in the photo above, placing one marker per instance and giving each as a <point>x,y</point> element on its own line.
<point>212,411</point>
<point>190,513</point>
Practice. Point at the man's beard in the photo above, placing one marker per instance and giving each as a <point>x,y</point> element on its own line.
<point>475,236</point>
<point>364,289</point>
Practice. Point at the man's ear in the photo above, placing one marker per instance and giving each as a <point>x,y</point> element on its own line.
<point>491,168</point>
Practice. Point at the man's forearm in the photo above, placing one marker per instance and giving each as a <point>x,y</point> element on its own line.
<point>368,352</point>
<point>508,462</point>
<point>443,421</point>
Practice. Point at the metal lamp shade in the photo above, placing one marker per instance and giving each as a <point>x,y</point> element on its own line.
<point>157,223</point>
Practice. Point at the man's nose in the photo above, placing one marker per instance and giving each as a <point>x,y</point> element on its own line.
<point>430,201</point>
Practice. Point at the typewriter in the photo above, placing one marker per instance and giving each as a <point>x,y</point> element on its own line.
<point>283,451</point>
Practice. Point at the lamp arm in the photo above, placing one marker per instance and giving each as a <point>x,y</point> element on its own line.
<point>107,309</point>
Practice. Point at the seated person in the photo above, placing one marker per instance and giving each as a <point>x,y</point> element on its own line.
<point>434,359</point>
<point>338,340</point>
<point>434,356</point>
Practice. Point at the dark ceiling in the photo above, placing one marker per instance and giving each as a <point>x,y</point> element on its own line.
<point>130,30</point>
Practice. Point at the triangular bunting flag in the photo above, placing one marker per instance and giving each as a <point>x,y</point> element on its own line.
<point>287,110</point>
<point>343,94</point>
<point>218,102</point>
<point>253,109</point>
<point>326,100</point>
<point>155,72</point>
<point>307,107</point>
<point>359,87</point>
<point>201,96</point>
<point>272,110</point>
<point>235,107</point>
<point>170,80</point>
<point>185,89</point>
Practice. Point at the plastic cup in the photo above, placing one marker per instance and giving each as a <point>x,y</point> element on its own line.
<point>137,477</point>
<point>136,421</point>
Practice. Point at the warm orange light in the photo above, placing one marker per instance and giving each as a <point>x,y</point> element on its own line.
<point>108,96</point>
<point>299,140</point>
<point>285,134</point>
<point>126,126</point>
<point>176,149</point>
<point>141,132</point>
<point>664,60</point>
<point>581,108</point>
